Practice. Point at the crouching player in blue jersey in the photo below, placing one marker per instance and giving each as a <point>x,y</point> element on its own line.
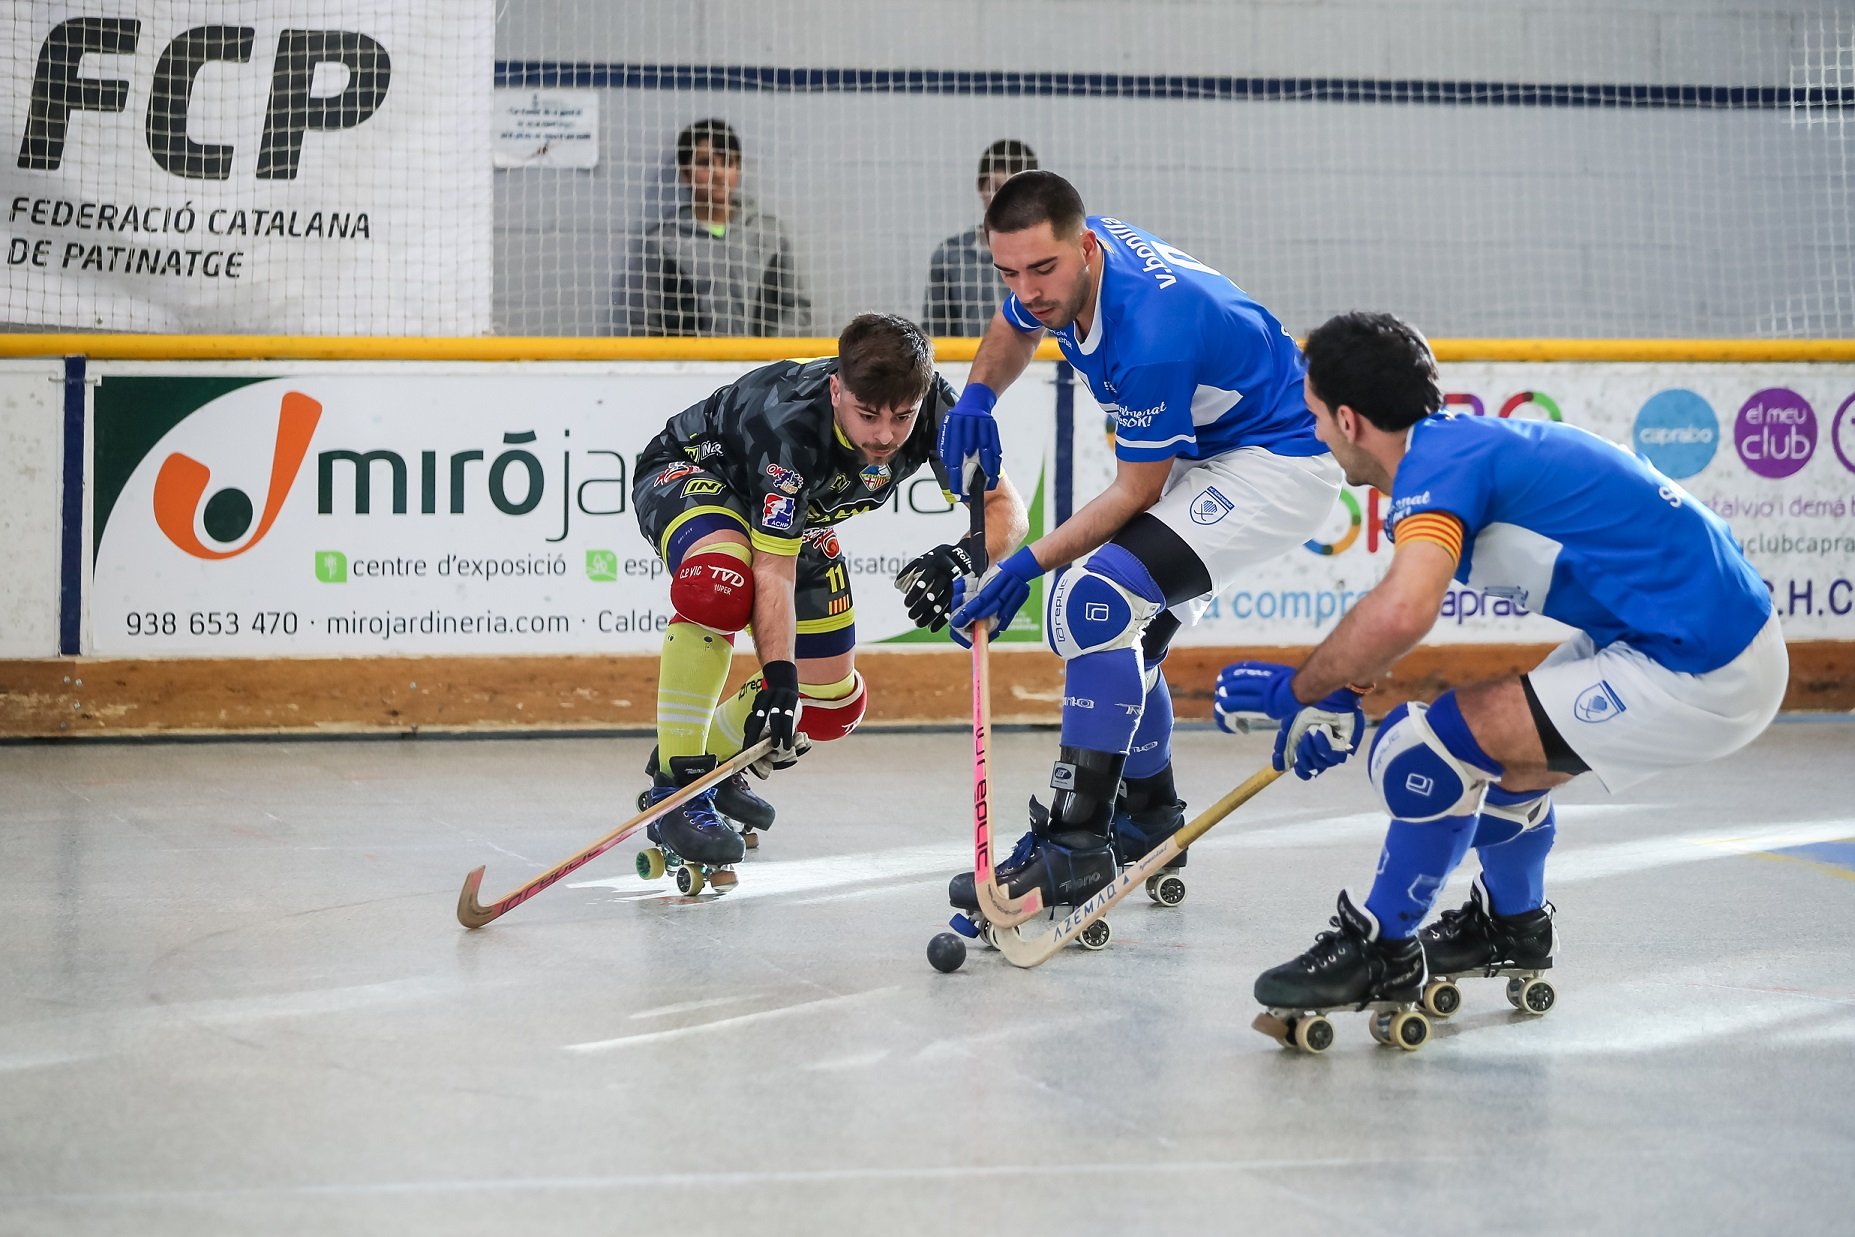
<point>1217,469</point>
<point>1678,660</point>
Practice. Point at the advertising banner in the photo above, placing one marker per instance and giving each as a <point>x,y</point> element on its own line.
<point>353,510</point>
<point>1770,447</point>
<point>31,435</point>
<point>291,168</point>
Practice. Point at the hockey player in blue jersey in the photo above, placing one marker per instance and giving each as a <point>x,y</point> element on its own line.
<point>1217,469</point>
<point>1678,659</point>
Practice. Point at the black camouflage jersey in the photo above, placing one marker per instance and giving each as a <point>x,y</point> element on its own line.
<point>772,440</point>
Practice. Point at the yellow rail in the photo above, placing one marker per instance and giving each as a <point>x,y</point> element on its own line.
<point>543,348</point>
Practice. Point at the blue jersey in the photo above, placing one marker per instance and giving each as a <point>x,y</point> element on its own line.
<point>1184,361</point>
<point>1568,525</point>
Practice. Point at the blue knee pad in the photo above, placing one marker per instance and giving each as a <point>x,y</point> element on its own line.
<point>1426,765</point>
<point>1101,604</point>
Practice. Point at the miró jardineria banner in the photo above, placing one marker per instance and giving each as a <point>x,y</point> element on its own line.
<point>265,166</point>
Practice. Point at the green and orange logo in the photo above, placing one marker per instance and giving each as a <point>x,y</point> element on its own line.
<point>181,485</point>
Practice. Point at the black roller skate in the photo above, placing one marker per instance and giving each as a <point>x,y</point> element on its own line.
<point>1473,941</point>
<point>1148,813</point>
<point>692,840</point>
<point>1349,968</point>
<point>1066,854</point>
<point>734,798</point>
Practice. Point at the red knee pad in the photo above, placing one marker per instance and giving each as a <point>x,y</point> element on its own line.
<point>824,720</point>
<point>715,591</point>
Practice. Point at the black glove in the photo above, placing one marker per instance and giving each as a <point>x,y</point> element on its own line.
<point>927,583</point>
<point>776,713</point>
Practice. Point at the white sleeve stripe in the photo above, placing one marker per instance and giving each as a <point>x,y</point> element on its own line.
<point>1134,444</point>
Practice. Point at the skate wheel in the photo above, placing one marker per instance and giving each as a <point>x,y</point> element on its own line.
<point>1096,935</point>
<point>722,880</point>
<point>1409,1029</point>
<point>964,926</point>
<point>644,800</point>
<point>1312,1034</point>
<point>689,880</point>
<point>650,864</point>
<point>1380,1026</point>
<point>1166,889</point>
<point>750,839</point>
<point>1532,996</point>
<point>1442,998</point>
<point>989,934</point>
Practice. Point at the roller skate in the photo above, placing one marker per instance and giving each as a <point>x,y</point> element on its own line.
<point>1137,833</point>
<point>692,840</point>
<point>1473,941</point>
<point>1066,854</point>
<point>734,798</point>
<point>1349,968</point>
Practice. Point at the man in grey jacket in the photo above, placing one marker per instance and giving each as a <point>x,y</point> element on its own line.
<point>719,265</point>
<point>963,291</point>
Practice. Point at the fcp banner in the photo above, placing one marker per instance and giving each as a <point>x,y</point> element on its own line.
<point>262,166</point>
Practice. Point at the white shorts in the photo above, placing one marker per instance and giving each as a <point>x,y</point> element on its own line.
<point>1628,717</point>
<point>1243,508</point>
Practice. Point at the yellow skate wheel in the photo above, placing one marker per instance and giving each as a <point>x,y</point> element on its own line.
<point>1096,935</point>
<point>1442,998</point>
<point>689,879</point>
<point>1380,1026</point>
<point>1531,996</point>
<point>989,934</point>
<point>650,864</point>
<point>722,880</point>
<point>1167,889</point>
<point>1312,1034</point>
<point>1409,1029</point>
<point>750,839</point>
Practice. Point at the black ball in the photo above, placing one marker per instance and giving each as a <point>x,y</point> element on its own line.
<point>947,952</point>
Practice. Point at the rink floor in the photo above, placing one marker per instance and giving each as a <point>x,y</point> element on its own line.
<point>236,1000</point>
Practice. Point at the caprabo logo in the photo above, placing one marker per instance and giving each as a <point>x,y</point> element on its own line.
<point>182,507</point>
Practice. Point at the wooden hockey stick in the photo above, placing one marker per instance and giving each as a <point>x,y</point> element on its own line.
<point>473,914</point>
<point>1000,910</point>
<point>1029,951</point>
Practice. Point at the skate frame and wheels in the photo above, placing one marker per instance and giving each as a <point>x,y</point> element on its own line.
<point>1400,1024</point>
<point>1527,990</point>
<point>473,914</point>
<point>999,910</point>
<point>1028,951</point>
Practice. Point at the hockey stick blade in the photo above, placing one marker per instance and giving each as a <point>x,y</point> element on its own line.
<point>473,914</point>
<point>1028,951</point>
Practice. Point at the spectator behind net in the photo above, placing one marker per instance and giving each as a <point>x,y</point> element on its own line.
<point>963,291</point>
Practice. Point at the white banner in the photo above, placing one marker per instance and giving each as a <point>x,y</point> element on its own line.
<point>1770,448</point>
<point>264,165</point>
<point>417,509</point>
<point>31,439</point>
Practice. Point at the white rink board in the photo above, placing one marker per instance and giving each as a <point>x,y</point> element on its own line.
<point>31,436</point>
<point>515,531</point>
<point>1780,469</point>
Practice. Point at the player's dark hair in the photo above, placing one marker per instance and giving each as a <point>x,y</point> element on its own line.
<point>1007,155</point>
<point>1376,364</point>
<point>719,134</point>
<point>1035,197</point>
<point>885,360</point>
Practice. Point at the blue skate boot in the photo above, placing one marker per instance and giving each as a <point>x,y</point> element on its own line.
<point>734,798</point>
<point>1066,854</point>
<point>1148,812</point>
<point>1352,967</point>
<point>692,840</point>
<point>1474,941</point>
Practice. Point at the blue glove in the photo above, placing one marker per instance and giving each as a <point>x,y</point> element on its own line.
<point>1312,738</point>
<point>970,429</point>
<point>1321,735</point>
<point>1001,594</point>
